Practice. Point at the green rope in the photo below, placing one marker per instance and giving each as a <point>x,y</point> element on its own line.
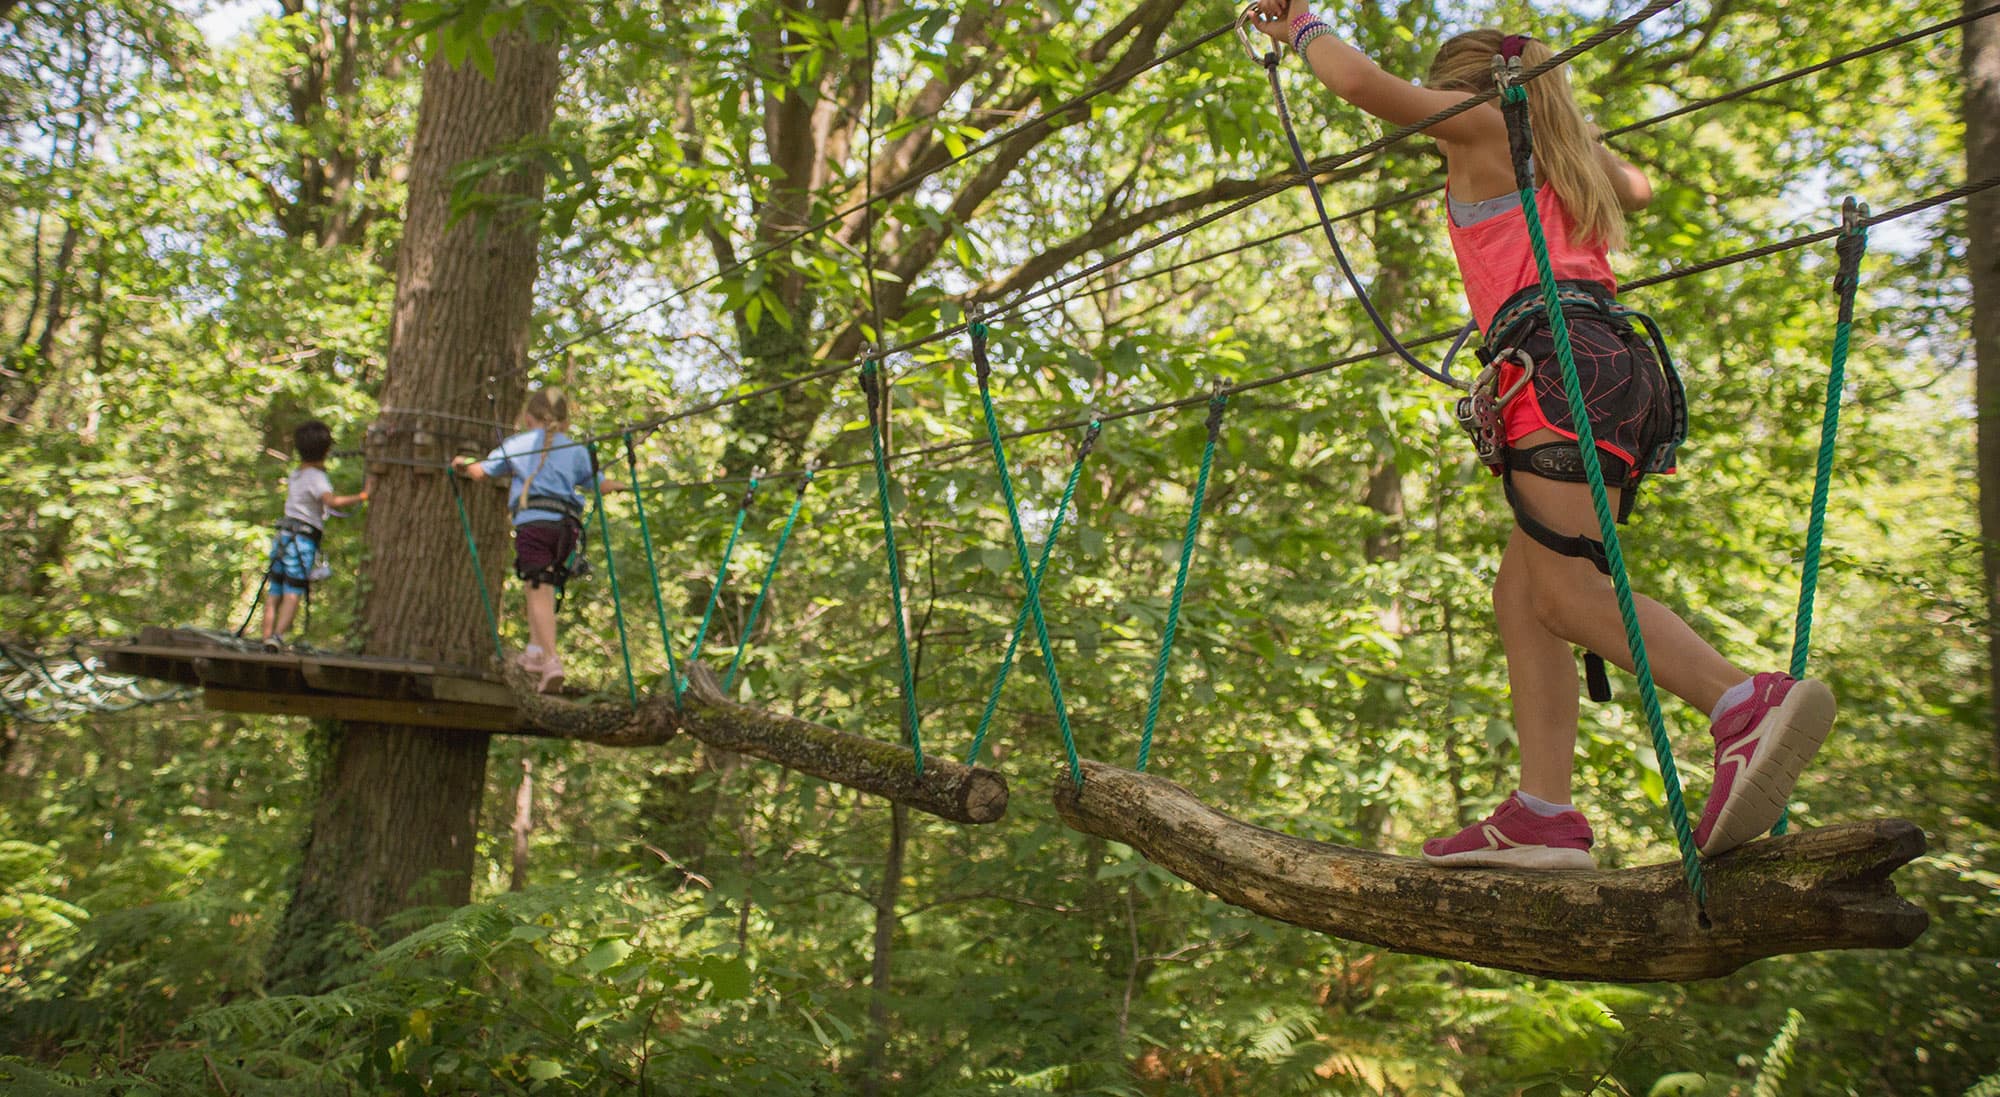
<point>715,590</point>
<point>1215,406</point>
<point>1030,575</point>
<point>611,575</point>
<point>871,388</point>
<point>1514,99</point>
<point>777,554</point>
<point>478,572</point>
<point>1851,246</point>
<point>652,568</point>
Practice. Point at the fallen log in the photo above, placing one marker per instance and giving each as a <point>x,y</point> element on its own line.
<point>1826,888</point>
<point>946,788</point>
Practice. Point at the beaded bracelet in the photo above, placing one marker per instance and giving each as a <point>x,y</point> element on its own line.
<point>1305,37</point>
<point>1301,19</point>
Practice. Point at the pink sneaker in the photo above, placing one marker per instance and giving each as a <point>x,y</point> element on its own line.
<point>534,662</point>
<point>1760,747</point>
<point>552,674</point>
<point>1516,837</point>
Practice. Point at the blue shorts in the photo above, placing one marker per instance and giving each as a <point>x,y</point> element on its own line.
<point>292,556</point>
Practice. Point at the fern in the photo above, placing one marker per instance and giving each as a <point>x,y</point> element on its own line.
<point>1988,1086</point>
<point>1777,1063</point>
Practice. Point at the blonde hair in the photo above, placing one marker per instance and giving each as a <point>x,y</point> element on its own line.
<point>1565,144</point>
<point>550,408</point>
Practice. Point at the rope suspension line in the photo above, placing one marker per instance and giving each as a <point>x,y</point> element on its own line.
<point>1440,374</point>
<point>652,567</point>
<point>877,397</point>
<point>1216,403</point>
<point>1031,576</point>
<point>611,576</point>
<point>777,554</point>
<point>1514,105</point>
<point>1852,245</point>
<point>1018,308</point>
<point>1047,118</point>
<point>715,589</point>
<point>478,572</point>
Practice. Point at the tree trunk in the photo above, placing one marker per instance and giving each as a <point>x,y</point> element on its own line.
<point>1826,888</point>
<point>524,822</point>
<point>398,806</point>
<point>1982,256</point>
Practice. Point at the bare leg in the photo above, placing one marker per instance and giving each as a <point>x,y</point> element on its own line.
<point>1541,679</point>
<point>542,616</point>
<point>271,627</point>
<point>1576,602</point>
<point>288,608</point>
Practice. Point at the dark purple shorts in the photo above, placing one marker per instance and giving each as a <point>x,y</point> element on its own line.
<point>542,551</point>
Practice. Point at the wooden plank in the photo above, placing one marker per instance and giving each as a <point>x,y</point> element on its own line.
<point>147,665</point>
<point>430,714</point>
<point>340,676</point>
<point>471,691</point>
<point>219,668</point>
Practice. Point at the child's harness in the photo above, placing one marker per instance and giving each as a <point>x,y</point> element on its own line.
<point>1480,412</point>
<point>574,564</point>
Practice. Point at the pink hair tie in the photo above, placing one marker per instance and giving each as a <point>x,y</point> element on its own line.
<point>1511,46</point>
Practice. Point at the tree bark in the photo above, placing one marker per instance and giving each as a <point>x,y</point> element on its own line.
<point>524,822</point>
<point>1982,256</point>
<point>398,806</point>
<point>1826,888</point>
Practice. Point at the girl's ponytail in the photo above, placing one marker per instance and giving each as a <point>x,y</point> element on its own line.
<point>1566,155</point>
<point>549,407</point>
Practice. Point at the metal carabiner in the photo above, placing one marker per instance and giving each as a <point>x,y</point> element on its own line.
<point>1248,37</point>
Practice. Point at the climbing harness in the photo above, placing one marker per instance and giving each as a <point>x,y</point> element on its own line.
<point>1269,59</point>
<point>1514,106</point>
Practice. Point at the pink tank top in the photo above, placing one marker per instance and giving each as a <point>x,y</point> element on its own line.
<point>1496,260</point>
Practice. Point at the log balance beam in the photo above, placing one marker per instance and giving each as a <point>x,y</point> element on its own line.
<point>1825,888</point>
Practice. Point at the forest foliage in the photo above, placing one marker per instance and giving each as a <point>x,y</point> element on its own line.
<point>199,251</point>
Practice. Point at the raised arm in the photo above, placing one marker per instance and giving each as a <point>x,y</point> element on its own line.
<point>1355,77</point>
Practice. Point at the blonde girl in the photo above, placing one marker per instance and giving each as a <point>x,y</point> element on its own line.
<point>548,473</point>
<point>1550,593</point>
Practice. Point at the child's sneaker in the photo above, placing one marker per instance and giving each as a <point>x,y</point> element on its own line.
<point>1516,837</point>
<point>533,660</point>
<point>552,674</point>
<point>1760,746</point>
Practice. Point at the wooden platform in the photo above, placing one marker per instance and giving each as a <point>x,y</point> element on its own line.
<point>316,684</point>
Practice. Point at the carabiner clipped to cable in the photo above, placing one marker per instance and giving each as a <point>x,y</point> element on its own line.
<point>1248,37</point>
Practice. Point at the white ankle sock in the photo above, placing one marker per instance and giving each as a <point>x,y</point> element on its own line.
<point>1540,806</point>
<point>532,650</point>
<point>1731,697</point>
